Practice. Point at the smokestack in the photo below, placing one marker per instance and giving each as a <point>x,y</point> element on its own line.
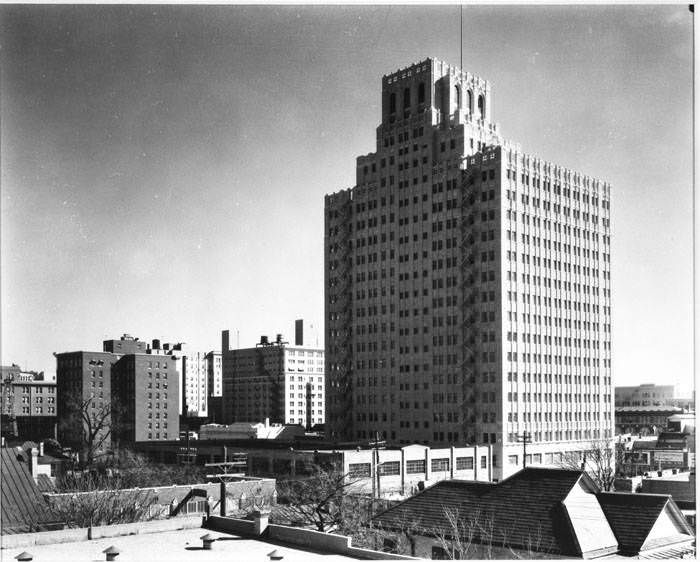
<point>224,341</point>
<point>299,332</point>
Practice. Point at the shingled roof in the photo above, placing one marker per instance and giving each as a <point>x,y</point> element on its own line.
<point>23,508</point>
<point>632,517</point>
<point>525,511</point>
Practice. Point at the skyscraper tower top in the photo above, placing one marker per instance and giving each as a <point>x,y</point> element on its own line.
<point>444,91</point>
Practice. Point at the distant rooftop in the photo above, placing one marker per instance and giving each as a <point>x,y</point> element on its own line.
<point>622,409</point>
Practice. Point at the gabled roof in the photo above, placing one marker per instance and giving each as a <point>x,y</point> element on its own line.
<point>22,508</point>
<point>632,517</point>
<point>523,511</point>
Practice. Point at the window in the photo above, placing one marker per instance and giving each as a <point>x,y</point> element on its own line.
<point>392,102</point>
<point>512,460</point>
<point>464,463</point>
<point>392,468</point>
<point>421,92</point>
<point>415,467</point>
<point>483,461</point>
<point>440,465</point>
<point>359,469</point>
<point>406,98</point>
<point>481,106</point>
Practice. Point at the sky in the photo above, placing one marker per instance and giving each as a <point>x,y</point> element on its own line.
<point>164,167</point>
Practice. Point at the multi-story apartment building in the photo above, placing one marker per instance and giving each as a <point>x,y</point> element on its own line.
<point>83,389</point>
<point>178,352</point>
<point>145,395</point>
<point>215,382</point>
<point>273,380</point>
<point>27,403</point>
<point>467,287</point>
<point>125,392</point>
<point>195,384</point>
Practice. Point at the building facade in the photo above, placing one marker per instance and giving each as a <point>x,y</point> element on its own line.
<point>128,392</point>
<point>83,389</point>
<point>273,380</point>
<point>215,382</point>
<point>145,398</point>
<point>195,384</point>
<point>644,395</point>
<point>643,420</point>
<point>467,284</point>
<point>27,403</point>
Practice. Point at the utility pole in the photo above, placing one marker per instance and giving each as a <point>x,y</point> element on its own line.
<point>525,438</point>
<point>376,484</point>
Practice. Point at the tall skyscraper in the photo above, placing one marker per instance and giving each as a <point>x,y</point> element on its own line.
<point>467,284</point>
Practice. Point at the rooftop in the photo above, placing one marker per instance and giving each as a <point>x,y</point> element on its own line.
<point>624,409</point>
<point>173,546</point>
<point>534,498</point>
<point>23,507</point>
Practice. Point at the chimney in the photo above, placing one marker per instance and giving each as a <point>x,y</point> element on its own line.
<point>41,449</point>
<point>299,332</point>
<point>260,521</point>
<point>155,344</point>
<point>34,462</point>
<point>224,341</point>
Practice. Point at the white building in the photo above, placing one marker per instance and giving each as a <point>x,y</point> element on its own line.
<point>273,380</point>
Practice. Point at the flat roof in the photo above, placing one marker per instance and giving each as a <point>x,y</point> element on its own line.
<point>181,545</point>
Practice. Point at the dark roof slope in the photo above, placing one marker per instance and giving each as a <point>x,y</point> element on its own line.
<point>22,508</point>
<point>632,517</point>
<point>523,511</point>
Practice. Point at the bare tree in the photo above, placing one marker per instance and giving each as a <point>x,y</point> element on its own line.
<point>474,535</point>
<point>93,421</point>
<point>321,500</point>
<point>94,501</point>
<point>456,539</point>
<point>601,460</point>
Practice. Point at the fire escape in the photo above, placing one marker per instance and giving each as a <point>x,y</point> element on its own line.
<point>342,334</point>
<point>469,312</point>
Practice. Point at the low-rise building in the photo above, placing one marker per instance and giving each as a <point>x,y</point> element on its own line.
<point>644,395</point>
<point>536,513</point>
<point>643,420</point>
<point>244,430</point>
<point>668,451</point>
<point>22,508</point>
<point>242,495</point>
<point>682,423</point>
<point>27,404</point>
<point>385,472</point>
